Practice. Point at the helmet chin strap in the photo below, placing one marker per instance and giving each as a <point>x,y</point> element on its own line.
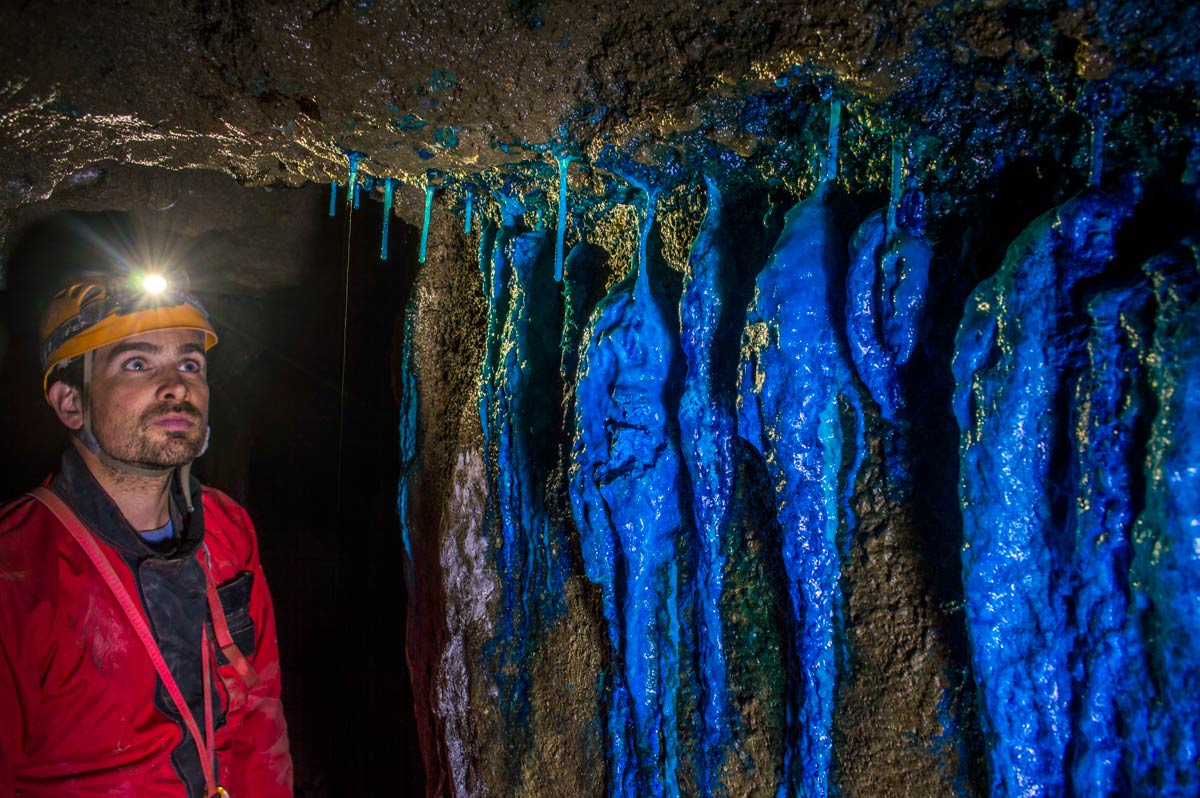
<point>185,471</point>
<point>89,440</point>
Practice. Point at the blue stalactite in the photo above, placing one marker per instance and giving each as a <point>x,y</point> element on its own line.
<point>389,186</point>
<point>523,415</point>
<point>333,198</point>
<point>831,153</point>
<point>495,265</point>
<point>897,187</point>
<point>1166,542</point>
<point>496,254</point>
<point>425,223</point>
<point>796,377</point>
<point>796,381</point>
<point>864,316</point>
<point>487,240</point>
<point>708,421</point>
<point>564,161</point>
<point>1109,400</point>
<point>354,158</point>
<point>626,485</point>
<point>409,401</point>
<point>886,291</point>
<point>1019,337</point>
<point>905,279</point>
<point>469,211</point>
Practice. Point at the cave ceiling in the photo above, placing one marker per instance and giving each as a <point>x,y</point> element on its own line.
<point>276,94</point>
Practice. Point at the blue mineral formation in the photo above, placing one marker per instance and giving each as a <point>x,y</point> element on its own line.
<point>522,422</point>
<point>885,294</point>
<point>354,158</point>
<point>1021,339</point>
<point>494,264</point>
<point>798,405</point>
<point>389,186</point>
<point>409,122</point>
<point>487,240</point>
<point>864,315</point>
<point>896,188</point>
<point>446,137</point>
<point>1165,727</point>
<point>1108,403</point>
<point>409,402</point>
<point>707,422</point>
<point>904,279</point>
<point>831,152</point>
<point>627,484</point>
<point>795,375</point>
<point>429,189</point>
<point>564,161</point>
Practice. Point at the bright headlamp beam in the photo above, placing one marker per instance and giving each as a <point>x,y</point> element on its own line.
<point>154,284</point>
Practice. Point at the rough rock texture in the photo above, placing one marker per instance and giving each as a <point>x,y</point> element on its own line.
<point>274,94</point>
<point>1001,110</point>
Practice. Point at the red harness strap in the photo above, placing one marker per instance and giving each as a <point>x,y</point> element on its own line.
<point>203,744</point>
<point>221,628</point>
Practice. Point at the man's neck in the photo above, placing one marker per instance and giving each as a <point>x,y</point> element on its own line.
<point>144,501</point>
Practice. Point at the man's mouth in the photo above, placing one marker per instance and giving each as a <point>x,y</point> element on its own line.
<point>175,421</point>
<point>176,418</point>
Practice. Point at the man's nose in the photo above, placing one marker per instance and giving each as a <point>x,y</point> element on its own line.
<point>173,386</point>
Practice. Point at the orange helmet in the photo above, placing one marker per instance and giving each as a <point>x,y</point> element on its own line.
<point>100,309</point>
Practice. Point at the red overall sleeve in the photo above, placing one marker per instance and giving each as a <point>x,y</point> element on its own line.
<point>253,745</point>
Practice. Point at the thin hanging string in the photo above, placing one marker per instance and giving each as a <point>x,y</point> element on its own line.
<point>345,344</point>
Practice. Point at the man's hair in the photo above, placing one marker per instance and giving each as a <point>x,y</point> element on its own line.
<point>70,372</point>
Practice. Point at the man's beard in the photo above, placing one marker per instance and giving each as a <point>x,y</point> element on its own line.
<point>151,447</point>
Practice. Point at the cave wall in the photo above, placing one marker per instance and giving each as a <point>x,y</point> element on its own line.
<point>758,431</point>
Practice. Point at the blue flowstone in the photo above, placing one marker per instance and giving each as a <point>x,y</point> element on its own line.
<point>626,486</point>
<point>1164,716</point>
<point>798,405</point>
<point>409,399</point>
<point>1109,399</point>
<point>1019,339</point>
<point>708,423</point>
<point>522,418</point>
<point>885,305</point>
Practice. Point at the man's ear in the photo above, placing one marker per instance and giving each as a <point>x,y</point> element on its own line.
<point>67,402</point>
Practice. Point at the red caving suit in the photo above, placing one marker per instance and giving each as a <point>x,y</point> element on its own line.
<point>82,710</point>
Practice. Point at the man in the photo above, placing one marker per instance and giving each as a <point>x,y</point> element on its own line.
<point>137,636</point>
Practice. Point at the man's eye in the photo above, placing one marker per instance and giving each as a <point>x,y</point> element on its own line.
<point>192,366</point>
<point>136,364</point>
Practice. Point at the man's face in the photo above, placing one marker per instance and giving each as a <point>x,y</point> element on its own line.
<point>149,398</point>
